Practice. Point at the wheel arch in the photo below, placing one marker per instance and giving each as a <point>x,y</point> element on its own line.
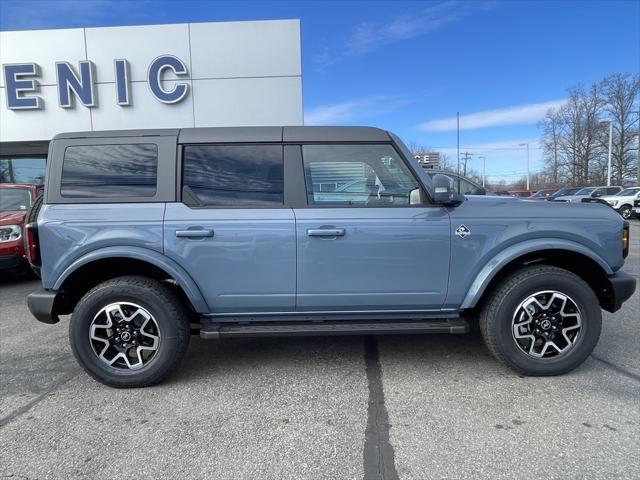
<point>104,264</point>
<point>574,258</point>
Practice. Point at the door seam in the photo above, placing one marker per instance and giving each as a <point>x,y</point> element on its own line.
<point>295,236</point>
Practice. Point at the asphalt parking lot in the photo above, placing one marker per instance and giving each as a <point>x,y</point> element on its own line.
<point>351,407</point>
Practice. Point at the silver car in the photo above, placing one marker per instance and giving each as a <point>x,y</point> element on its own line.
<point>589,193</point>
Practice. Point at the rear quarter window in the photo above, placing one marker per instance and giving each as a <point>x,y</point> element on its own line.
<point>234,175</point>
<point>110,171</point>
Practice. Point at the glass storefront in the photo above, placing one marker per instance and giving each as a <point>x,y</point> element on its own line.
<point>22,169</point>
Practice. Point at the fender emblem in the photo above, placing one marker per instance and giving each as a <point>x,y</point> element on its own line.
<point>462,231</point>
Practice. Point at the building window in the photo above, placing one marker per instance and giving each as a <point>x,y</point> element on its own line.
<point>356,175</point>
<point>107,171</point>
<point>234,175</point>
<point>22,170</point>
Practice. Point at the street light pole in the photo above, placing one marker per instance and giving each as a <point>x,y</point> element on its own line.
<point>609,156</point>
<point>528,163</point>
<point>484,170</point>
<point>609,153</point>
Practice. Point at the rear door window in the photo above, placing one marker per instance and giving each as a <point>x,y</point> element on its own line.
<point>110,171</point>
<point>233,175</point>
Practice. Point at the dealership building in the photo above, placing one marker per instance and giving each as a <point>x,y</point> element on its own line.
<point>157,76</point>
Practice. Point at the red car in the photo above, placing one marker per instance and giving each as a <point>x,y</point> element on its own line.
<point>15,200</point>
<point>521,193</point>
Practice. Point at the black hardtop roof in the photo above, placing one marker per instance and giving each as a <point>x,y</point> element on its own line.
<point>247,134</point>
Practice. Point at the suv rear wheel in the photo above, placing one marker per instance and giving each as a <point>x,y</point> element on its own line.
<point>129,332</point>
<point>541,320</point>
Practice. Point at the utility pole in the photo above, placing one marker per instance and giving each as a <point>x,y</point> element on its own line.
<point>638,152</point>
<point>467,156</point>
<point>12,178</point>
<point>484,169</point>
<point>609,156</point>
<point>458,145</point>
<point>528,163</point>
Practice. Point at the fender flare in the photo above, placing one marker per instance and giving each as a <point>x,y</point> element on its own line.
<point>496,263</point>
<point>182,278</point>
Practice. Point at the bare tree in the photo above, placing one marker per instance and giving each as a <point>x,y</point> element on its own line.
<point>445,162</point>
<point>620,91</point>
<point>575,139</point>
<point>551,145</point>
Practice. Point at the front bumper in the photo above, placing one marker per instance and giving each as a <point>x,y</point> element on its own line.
<point>42,305</point>
<point>11,262</point>
<point>620,287</point>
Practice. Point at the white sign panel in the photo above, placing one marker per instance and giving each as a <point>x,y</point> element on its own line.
<point>159,76</point>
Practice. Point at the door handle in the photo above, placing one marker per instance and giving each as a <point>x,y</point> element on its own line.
<point>325,232</point>
<point>194,233</point>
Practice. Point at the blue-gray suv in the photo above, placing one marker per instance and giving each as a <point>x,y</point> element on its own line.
<point>147,236</point>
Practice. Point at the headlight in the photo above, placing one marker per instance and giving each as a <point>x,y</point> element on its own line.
<point>9,233</point>
<point>613,203</point>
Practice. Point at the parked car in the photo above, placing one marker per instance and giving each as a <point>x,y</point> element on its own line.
<point>588,193</point>
<point>145,233</point>
<point>15,200</point>
<point>636,207</point>
<point>464,184</point>
<point>521,193</point>
<point>543,194</point>
<point>623,201</point>
<point>563,192</point>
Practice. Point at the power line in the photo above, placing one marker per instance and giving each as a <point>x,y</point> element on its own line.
<point>487,148</point>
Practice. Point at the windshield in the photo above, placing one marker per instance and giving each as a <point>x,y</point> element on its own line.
<point>564,191</point>
<point>542,193</point>
<point>585,191</point>
<point>627,192</point>
<point>12,199</point>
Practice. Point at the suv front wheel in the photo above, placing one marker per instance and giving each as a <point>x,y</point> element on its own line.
<point>625,211</point>
<point>541,320</point>
<point>129,332</point>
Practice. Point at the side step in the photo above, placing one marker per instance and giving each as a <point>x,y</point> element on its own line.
<point>344,327</point>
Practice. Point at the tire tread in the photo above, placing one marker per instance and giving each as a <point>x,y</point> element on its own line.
<point>489,317</point>
<point>171,304</point>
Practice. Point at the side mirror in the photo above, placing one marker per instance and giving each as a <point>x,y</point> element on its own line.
<point>443,192</point>
<point>478,191</point>
<point>595,194</point>
<point>415,197</point>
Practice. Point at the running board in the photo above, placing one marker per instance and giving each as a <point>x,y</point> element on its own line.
<point>344,327</point>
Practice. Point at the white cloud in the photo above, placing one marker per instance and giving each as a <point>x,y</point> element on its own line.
<point>515,115</point>
<point>368,36</point>
<point>349,110</point>
<point>74,13</point>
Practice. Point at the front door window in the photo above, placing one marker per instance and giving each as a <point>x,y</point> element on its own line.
<point>356,175</point>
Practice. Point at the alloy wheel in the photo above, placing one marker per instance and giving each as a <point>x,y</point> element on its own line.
<point>546,324</point>
<point>124,336</point>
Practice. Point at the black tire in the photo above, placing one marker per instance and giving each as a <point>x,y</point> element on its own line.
<point>498,312</point>
<point>166,309</point>
<point>625,212</point>
<point>32,217</point>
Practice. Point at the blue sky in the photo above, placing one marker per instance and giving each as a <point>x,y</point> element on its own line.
<point>409,66</point>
